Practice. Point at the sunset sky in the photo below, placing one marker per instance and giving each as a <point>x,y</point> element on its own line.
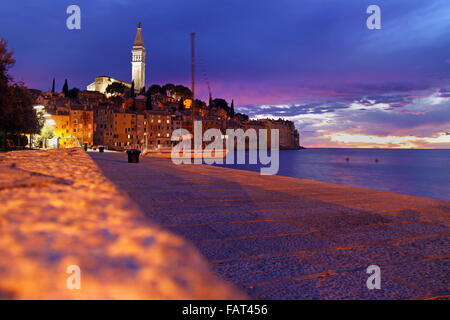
<point>313,62</point>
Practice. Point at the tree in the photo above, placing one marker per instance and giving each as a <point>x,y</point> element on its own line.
<point>154,89</point>
<point>221,103</point>
<point>116,89</point>
<point>182,91</point>
<point>17,114</point>
<point>211,104</point>
<point>148,103</point>
<point>65,89</point>
<point>199,103</point>
<point>181,104</point>
<point>243,116</point>
<point>6,62</point>
<point>73,93</point>
<point>53,86</point>
<point>132,93</point>
<point>168,88</point>
<point>232,109</point>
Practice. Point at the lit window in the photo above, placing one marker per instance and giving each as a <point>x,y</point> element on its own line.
<point>168,121</point>
<point>159,120</point>
<point>167,134</point>
<point>159,134</point>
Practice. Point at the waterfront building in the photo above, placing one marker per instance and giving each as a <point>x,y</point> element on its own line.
<point>130,121</point>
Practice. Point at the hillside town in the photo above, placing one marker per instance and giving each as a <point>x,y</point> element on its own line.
<point>120,115</point>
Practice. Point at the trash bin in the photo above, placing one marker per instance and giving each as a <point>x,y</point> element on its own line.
<point>101,149</point>
<point>133,155</point>
<point>85,146</point>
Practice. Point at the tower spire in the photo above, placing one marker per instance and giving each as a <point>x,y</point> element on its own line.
<point>138,61</point>
<point>138,42</point>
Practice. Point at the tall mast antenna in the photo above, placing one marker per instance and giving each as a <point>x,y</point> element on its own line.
<point>193,66</point>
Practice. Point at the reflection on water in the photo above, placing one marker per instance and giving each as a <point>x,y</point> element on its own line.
<point>423,173</point>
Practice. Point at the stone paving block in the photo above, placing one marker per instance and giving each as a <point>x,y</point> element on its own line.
<point>420,229</point>
<point>292,290</point>
<point>257,228</point>
<point>264,269</point>
<point>434,246</point>
<point>429,277</point>
<point>210,217</point>
<point>282,244</point>
<point>353,285</point>
<point>219,250</point>
<point>364,235</point>
<point>356,258</point>
<point>201,232</point>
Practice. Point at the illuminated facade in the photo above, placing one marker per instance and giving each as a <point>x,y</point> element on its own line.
<point>102,82</point>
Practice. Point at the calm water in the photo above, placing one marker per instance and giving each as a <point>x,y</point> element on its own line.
<point>423,173</point>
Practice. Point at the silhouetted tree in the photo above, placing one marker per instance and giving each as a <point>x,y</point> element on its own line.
<point>154,89</point>
<point>132,93</point>
<point>148,103</point>
<point>211,104</point>
<point>181,104</point>
<point>221,103</point>
<point>17,114</point>
<point>182,91</point>
<point>65,89</point>
<point>168,88</point>
<point>53,86</point>
<point>232,109</point>
<point>116,88</point>
<point>73,93</point>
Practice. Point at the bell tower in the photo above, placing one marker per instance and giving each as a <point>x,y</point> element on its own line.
<point>138,61</point>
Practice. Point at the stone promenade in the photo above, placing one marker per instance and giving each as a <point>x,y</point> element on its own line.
<point>285,238</point>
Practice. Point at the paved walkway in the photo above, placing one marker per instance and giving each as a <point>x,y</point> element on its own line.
<point>285,238</point>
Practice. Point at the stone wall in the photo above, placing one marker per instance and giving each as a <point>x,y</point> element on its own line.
<point>58,210</point>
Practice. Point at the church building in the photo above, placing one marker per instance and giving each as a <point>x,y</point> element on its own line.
<point>137,69</point>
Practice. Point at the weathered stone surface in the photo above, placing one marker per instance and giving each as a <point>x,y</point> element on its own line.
<point>285,238</point>
<point>57,210</point>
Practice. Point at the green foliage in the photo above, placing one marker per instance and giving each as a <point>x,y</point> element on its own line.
<point>17,114</point>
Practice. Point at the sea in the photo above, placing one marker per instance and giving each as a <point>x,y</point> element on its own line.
<point>416,172</point>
